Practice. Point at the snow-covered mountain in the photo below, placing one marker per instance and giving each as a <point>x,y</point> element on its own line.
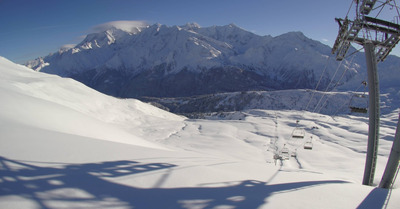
<point>64,145</point>
<point>171,61</point>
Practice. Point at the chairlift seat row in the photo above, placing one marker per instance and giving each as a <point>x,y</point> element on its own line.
<point>308,145</point>
<point>284,154</point>
<point>359,102</point>
<point>285,150</point>
<point>358,109</point>
<point>298,133</point>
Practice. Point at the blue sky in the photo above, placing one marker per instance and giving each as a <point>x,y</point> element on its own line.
<point>33,28</point>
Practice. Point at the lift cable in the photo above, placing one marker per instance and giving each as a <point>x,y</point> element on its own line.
<point>397,8</point>
<point>319,82</point>
<point>327,87</point>
<point>358,50</point>
<point>337,83</point>
<point>382,6</point>
<point>338,109</point>
<point>348,11</point>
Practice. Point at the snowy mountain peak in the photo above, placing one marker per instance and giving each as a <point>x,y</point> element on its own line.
<point>191,26</point>
<point>297,34</point>
<point>103,38</point>
<point>117,54</point>
<point>108,33</point>
<point>296,37</point>
<point>37,64</point>
<point>121,62</point>
<point>233,25</point>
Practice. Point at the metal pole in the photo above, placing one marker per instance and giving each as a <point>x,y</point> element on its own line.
<point>373,130</point>
<point>393,161</point>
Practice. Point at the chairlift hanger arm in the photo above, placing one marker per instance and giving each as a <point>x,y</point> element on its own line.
<point>381,25</point>
<point>371,23</point>
<point>386,37</point>
<point>382,22</point>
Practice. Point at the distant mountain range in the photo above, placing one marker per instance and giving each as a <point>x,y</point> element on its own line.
<point>181,61</point>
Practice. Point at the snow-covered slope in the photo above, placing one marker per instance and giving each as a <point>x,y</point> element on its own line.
<point>52,103</point>
<point>160,60</point>
<point>63,145</point>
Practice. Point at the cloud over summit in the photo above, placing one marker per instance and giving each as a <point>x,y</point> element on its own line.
<point>131,26</point>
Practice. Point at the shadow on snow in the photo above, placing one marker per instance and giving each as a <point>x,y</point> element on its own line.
<point>86,185</point>
<point>377,198</point>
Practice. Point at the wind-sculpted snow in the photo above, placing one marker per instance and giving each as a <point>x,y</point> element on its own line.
<point>64,145</point>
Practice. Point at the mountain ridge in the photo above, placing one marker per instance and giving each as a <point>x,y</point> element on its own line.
<point>175,61</point>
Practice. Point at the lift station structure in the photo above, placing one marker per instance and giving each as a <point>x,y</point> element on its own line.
<point>378,37</point>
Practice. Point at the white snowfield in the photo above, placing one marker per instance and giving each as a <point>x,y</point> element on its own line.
<point>64,145</point>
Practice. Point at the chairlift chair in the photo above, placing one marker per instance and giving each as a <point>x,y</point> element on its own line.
<point>298,133</point>
<point>308,144</point>
<point>284,154</point>
<point>293,154</point>
<point>359,102</point>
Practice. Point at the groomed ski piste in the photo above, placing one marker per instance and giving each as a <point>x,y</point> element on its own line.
<point>64,145</point>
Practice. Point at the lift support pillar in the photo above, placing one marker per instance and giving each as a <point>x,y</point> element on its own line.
<point>374,113</point>
<point>393,161</point>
